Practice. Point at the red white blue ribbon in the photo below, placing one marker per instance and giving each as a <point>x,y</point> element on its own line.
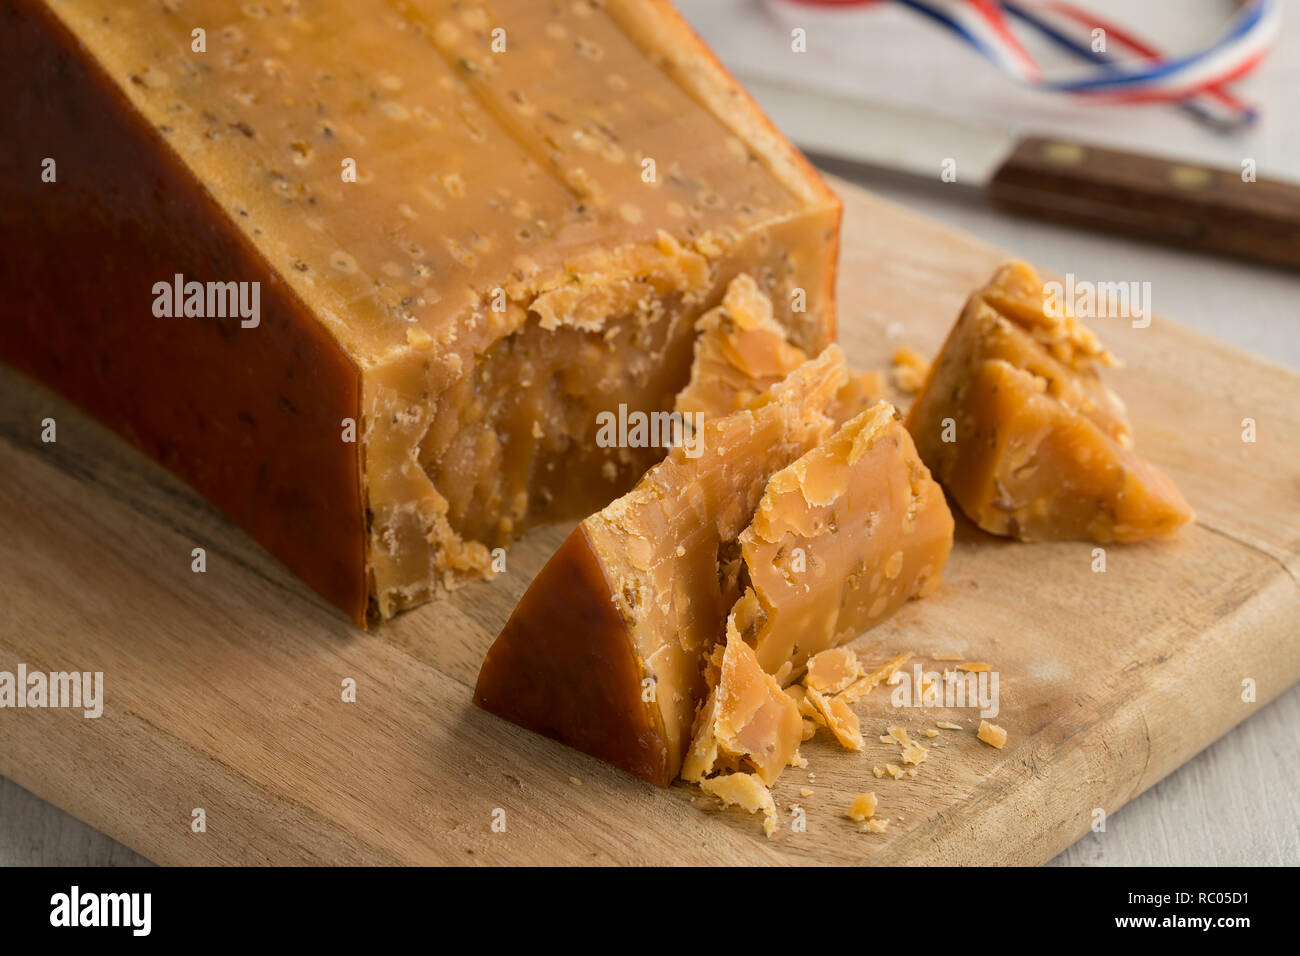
<point>1128,70</point>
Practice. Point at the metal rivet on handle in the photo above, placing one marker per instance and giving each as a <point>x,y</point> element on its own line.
<point>1064,154</point>
<point>1190,177</point>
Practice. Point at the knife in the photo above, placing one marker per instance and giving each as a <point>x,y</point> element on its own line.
<point>1194,206</point>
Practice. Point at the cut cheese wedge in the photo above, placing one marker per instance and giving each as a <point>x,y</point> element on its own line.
<point>1015,421</point>
<point>607,649</point>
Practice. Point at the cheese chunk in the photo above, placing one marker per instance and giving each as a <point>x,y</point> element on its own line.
<point>992,734</point>
<point>842,538</point>
<point>474,227</point>
<point>1015,421</point>
<point>606,651</point>
<point>747,722</point>
<point>838,717</point>
<point>832,671</point>
<point>740,351</point>
<point>862,807</point>
<point>744,790</point>
<point>868,682</point>
<point>910,369</point>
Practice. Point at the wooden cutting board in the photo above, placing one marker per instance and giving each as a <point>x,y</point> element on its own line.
<point>223,689</point>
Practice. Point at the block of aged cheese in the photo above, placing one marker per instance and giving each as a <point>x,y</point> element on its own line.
<point>1016,422</point>
<point>417,247</point>
<point>841,539</point>
<point>607,649</point>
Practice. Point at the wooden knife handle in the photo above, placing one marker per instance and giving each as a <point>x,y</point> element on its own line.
<point>1182,204</point>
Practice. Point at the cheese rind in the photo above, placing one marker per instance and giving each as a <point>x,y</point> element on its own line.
<point>565,666</point>
<point>252,418</point>
<point>498,271</point>
<point>1015,421</point>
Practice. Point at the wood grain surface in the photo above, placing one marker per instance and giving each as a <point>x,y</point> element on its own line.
<point>223,688</point>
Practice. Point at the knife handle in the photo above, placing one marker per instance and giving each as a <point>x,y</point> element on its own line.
<point>1181,204</point>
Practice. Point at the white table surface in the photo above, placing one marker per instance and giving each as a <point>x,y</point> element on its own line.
<point>1234,803</point>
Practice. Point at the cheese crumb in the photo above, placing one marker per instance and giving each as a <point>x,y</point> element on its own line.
<point>910,369</point>
<point>744,790</point>
<point>913,753</point>
<point>949,725</point>
<point>805,791</point>
<point>840,718</point>
<point>875,826</point>
<point>863,807</point>
<point>931,732</point>
<point>992,734</point>
<point>863,685</point>
<point>832,671</point>
<point>899,734</point>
